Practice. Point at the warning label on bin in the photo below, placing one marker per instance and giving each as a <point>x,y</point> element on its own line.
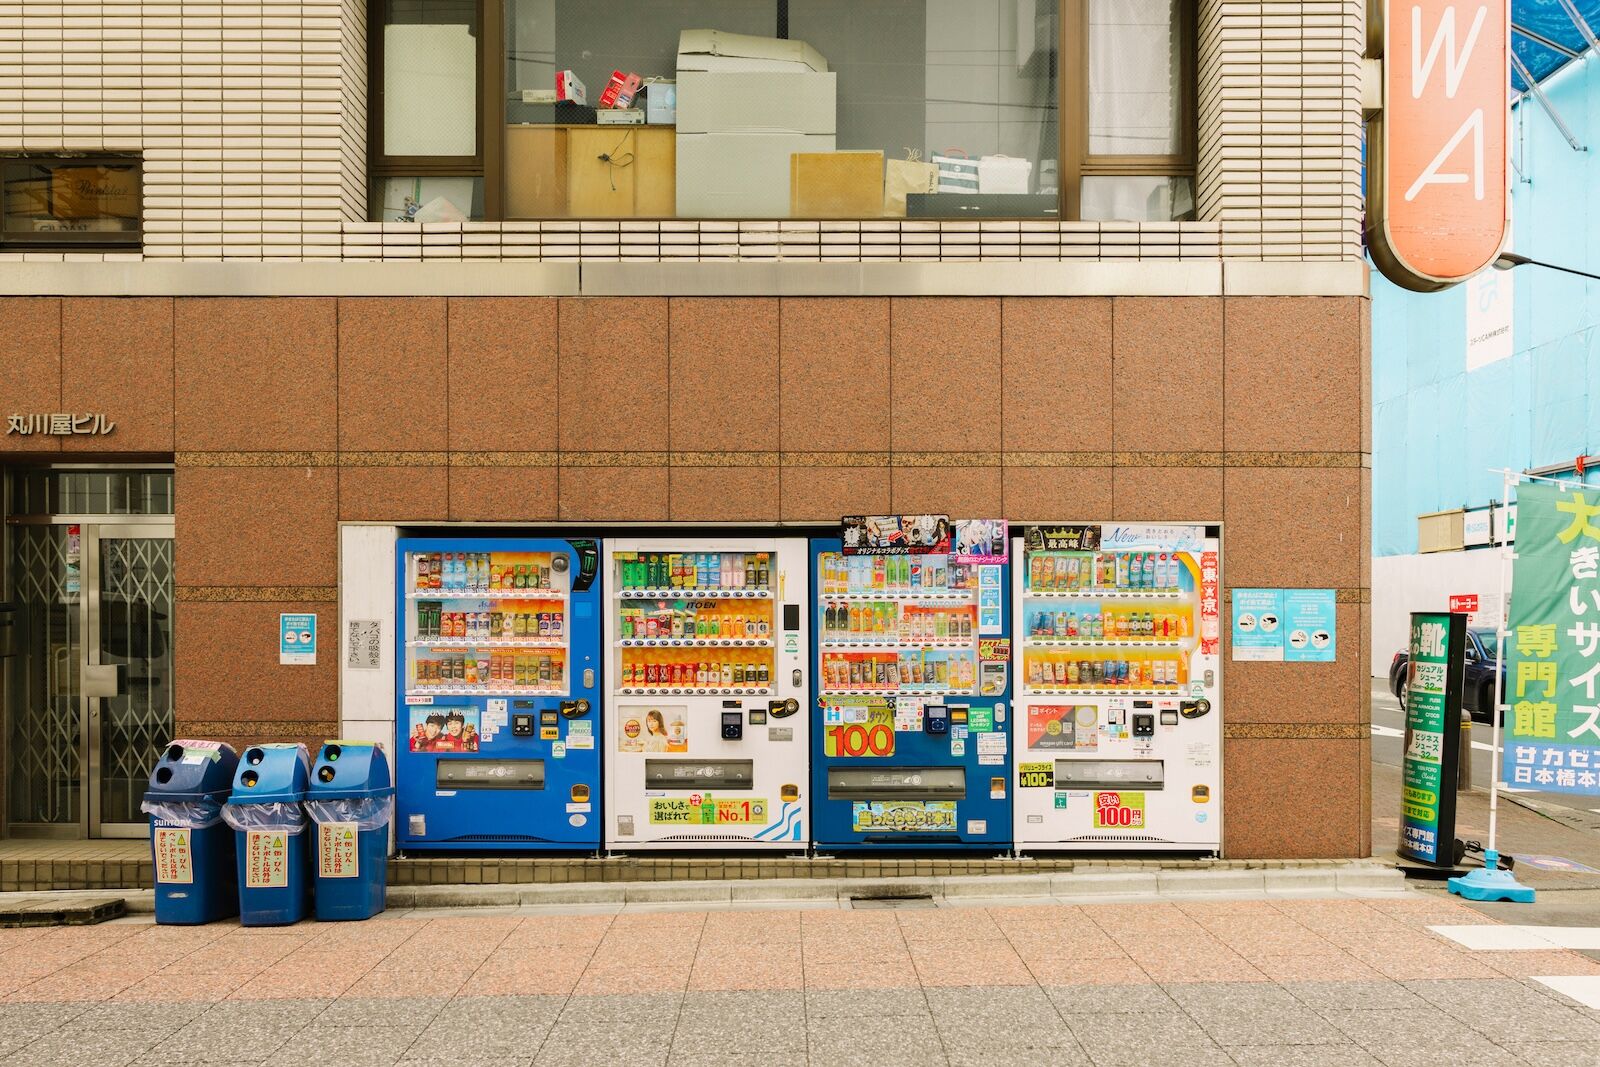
<point>174,860</point>
<point>266,859</point>
<point>337,855</point>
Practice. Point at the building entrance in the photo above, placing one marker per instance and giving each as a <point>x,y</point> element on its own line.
<point>85,647</point>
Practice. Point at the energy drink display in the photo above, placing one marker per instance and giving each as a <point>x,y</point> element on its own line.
<point>499,695</point>
<point>1119,705</point>
<point>705,738</point>
<point>911,731</point>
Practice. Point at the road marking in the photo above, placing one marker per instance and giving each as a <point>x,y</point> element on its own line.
<point>1490,937</point>
<point>1585,989</point>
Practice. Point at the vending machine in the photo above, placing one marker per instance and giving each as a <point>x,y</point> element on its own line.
<point>707,662</point>
<point>1119,712</point>
<point>911,748</point>
<point>499,675</point>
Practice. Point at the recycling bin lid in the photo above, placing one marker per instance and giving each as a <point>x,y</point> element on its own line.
<point>349,770</point>
<point>271,774</point>
<point>193,770</point>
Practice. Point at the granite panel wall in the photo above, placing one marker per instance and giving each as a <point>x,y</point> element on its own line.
<point>287,416</point>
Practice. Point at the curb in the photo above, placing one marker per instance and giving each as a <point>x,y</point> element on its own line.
<point>1363,879</point>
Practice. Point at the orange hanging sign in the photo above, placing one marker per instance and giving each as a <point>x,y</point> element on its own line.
<point>1438,184</point>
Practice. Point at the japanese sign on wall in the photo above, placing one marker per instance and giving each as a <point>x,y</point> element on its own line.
<point>1285,625</point>
<point>1553,673</point>
<point>1257,624</point>
<point>59,424</point>
<point>1432,738</point>
<point>364,645</point>
<point>297,639</point>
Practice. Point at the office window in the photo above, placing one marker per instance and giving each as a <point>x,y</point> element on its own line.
<point>427,128</point>
<point>1130,143</point>
<point>778,109</point>
<point>70,201</point>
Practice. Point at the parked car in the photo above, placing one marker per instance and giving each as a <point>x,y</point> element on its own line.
<point>1478,684</point>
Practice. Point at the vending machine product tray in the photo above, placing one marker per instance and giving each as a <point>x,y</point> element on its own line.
<point>699,774</point>
<point>897,783</point>
<point>470,772</point>
<point>1146,774</point>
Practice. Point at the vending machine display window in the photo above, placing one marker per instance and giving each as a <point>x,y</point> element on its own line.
<point>1119,688</point>
<point>708,673</point>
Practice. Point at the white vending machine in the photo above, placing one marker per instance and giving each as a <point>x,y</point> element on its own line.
<point>1119,688</point>
<point>708,661</point>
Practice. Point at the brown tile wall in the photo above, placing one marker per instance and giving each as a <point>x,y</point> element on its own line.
<point>287,416</point>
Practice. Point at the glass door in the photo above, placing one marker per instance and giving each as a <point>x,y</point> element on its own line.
<point>44,721</point>
<point>127,676</point>
<point>89,676</point>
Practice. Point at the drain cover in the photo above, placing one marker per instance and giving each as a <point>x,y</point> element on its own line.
<point>865,903</point>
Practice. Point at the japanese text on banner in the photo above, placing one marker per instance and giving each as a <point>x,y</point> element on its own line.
<point>1553,675</point>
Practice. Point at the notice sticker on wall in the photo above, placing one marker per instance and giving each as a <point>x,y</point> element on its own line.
<point>297,639</point>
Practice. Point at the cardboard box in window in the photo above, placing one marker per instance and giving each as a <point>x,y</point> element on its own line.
<point>715,50</point>
<point>836,185</point>
<point>94,192</point>
<point>757,103</point>
<point>739,175</point>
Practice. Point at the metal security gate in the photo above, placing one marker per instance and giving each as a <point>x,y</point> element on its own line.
<point>88,676</point>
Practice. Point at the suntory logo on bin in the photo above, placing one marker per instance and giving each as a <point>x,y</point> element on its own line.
<point>1438,192</point>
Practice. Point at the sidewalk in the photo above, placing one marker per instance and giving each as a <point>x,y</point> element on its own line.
<point>1522,832</point>
<point>1279,982</point>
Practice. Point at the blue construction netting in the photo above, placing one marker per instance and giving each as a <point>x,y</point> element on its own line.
<point>1545,38</point>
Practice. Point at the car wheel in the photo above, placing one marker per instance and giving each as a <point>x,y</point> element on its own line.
<point>1400,696</point>
<point>1485,702</point>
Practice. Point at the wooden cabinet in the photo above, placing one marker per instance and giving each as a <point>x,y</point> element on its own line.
<point>536,172</point>
<point>590,172</point>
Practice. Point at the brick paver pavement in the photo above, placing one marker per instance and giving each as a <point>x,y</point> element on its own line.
<point>1286,982</point>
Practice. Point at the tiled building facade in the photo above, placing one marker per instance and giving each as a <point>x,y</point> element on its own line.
<point>694,372</point>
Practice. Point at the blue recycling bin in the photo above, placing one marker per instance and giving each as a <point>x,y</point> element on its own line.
<point>190,846</point>
<point>350,801</point>
<point>269,823</point>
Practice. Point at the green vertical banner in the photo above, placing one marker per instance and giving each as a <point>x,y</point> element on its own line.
<point>1552,735</point>
<point>1433,737</point>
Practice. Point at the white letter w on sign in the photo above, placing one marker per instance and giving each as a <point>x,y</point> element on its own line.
<point>1455,65</point>
<point>1444,40</point>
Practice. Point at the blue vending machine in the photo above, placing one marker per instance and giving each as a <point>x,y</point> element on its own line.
<point>911,744</point>
<point>499,702</point>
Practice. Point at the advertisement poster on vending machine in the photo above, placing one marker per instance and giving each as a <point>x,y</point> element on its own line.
<point>652,728</point>
<point>436,729</point>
